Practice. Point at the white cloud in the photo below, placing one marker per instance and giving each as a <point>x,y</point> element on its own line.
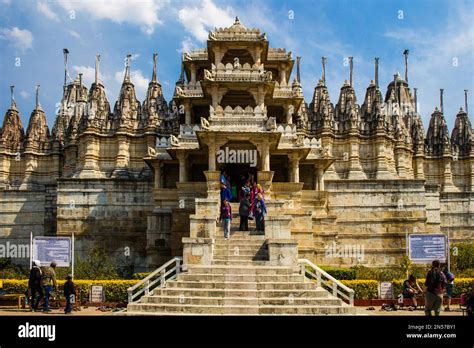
<point>187,45</point>
<point>199,20</point>
<point>139,81</point>
<point>142,13</point>
<point>21,39</point>
<point>74,33</point>
<point>88,74</point>
<point>24,94</point>
<point>44,9</point>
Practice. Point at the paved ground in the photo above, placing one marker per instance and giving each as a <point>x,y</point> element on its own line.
<point>96,311</point>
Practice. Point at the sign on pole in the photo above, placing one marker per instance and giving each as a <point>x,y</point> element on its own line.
<point>49,249</point>
<point>386,290</point>
<point>425,248</point>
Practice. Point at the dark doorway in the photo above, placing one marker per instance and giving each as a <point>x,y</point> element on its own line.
<point>239,174</point>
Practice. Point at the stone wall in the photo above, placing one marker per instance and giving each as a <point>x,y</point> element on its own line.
<point>108,214</point>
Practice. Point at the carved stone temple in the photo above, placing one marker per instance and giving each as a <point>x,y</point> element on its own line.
<point>144,175</point>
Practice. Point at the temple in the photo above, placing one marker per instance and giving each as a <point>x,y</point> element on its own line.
<point>145,175</point>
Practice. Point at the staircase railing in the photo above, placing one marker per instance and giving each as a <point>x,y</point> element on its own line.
<point>325,280</point>
<point>156,279</point>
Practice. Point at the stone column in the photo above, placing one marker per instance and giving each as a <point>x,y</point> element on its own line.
<point>193,74</point>
<point>158,175</point>
<point>265,149</point>
<point>318,178</point>
<point>382,168</point>
<point>91,166</point>
<point>294,160</point>
<point>355,168</point>
<point>289,114</point>
<point>471,172</point>
<point>183,168</point>
<point>122,159</point>
<point>212,156</point>
<point>283,74</point>
<point>447,184</point>
<point>418,164</point>
<point>187,112</point>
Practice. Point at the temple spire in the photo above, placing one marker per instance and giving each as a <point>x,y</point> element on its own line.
<point>324,70</point>
<point>38,106</point>
<point>416,99</point>
<point>465,101</point>
<point>376,72</point>
<point>441,100</point>
<point>405,53</point>
<point>351,66</point>
<point>155,57</point>
<point>127,68</point>
<point>65,52</point>
<point>298,59</point>
<point>12,97</point>
<point>97,66</point>
<point>181,77</point>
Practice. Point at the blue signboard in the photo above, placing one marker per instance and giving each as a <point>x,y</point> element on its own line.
<point>425,248</point>
<point>49,249</point>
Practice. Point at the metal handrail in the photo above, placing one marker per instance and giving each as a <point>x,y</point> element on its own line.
<point>324,279</point>
<point>156,279</point>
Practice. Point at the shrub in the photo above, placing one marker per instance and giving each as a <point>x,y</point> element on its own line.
<point>114,290</point>
<point>364,289</point>
<point>341,273</point>
<point>462,256</point>
<point>140,275</point>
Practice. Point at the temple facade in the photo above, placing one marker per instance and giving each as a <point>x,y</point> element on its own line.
<point>144,176</point>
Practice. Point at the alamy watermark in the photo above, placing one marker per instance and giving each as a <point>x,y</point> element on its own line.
<point>353,251</point>
<point>14,251</point>
<point>237,156</point>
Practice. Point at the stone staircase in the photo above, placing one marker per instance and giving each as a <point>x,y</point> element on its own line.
<point>239,282</point>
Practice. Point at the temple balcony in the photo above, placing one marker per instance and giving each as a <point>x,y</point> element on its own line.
<point>238,119</point>
<point>237,73</point>
<point>287,91</point>
<point>188,90</point>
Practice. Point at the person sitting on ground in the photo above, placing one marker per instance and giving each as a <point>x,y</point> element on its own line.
<point>411,288</point>
<point>434,288</point>
<point>34,285</point>
<point>226,217</point>
<point>69,294</point>
<point>244,211</point>
<point>48,284</point>
<point>449,288</point>
<point>260,213</point>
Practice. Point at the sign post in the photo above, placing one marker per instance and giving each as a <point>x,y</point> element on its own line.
<point>72,256</point>
<point>427,247</point>
<point>49,249</point>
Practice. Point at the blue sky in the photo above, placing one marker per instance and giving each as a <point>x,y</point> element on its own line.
<point>439,35</point>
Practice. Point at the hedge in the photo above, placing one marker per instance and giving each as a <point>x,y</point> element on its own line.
<point>114,290</point>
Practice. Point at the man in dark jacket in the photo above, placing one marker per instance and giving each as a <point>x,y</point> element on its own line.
<point>34,284</point>
<point>69,293</point>
<point>434,287</point>
<point>244,211</point>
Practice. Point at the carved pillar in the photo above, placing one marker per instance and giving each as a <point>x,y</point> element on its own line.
<point>382,167</point>
<point>158,166</point>
<point>183,168</point>
<point>289,114</point>
<point>265,149</point>
<point>211,156</point>
<point>418,164</point>
<point>30,166</point>
<point>187,112</point>
<point>91,165</point>
<point>122,161</point>
<point>283,74</point>
<point>193,74</point>
<point>318,178</point>
<point>355,168</point>
<point>294,160</point>
<point>471,172</point>
<point>447,184</point>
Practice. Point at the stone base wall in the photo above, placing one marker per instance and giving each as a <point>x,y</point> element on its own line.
<point>457,216</point>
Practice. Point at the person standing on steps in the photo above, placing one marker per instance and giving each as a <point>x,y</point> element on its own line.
<point>260,212</point>
<point>226,217</point>
<point>244,211</point>
<point>225,188</point>
<point>255,190</point>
